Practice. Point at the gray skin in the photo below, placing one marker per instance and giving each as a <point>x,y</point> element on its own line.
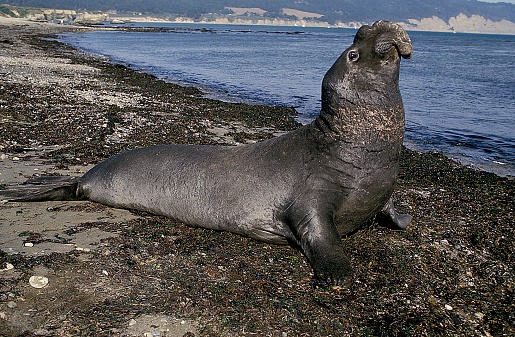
<point>306,188</point>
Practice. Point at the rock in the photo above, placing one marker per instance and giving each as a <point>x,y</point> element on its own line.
<point>8,266</point>
<point>38,281</point>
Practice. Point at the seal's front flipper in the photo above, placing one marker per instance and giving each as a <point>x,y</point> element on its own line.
<point>330,264</point>
<point>42,189</point>
<point>388,217</point>
<point>320,242</point>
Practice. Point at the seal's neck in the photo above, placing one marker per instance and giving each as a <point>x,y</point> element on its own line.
<point>373,114</point>
<point>361,124</point>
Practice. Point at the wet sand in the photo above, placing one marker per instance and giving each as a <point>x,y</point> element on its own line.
<point>121,273</point>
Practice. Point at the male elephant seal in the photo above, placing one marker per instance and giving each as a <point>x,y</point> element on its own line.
<point>307,188</point>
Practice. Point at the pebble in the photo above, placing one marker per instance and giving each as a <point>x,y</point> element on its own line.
<point>448,307</point>
<point>82,249</point>
<point>38,281</point>
<point>132,322</point>
<point>29,244</point>
<point>8,266</point>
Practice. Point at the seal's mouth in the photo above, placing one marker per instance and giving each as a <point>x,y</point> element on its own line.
<point>404,53</point>
<point>405,49</point>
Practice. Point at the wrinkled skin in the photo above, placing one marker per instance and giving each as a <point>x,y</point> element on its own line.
<point>307,188</point>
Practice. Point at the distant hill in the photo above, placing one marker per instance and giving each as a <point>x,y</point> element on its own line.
<point>417,12</point>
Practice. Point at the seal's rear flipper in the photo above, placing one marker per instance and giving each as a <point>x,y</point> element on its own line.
<point>388,217</point>
<point>43,188</point>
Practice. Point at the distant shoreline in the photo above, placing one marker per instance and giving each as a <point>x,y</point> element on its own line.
<point>425,27</point>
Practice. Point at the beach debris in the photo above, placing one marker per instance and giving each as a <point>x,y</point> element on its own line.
<point>8,266</point>
<point>38,281</point>
<point>82,249</point>
<point>32,238</point>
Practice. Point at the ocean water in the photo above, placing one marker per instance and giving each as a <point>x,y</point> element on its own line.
<point>458,89</point>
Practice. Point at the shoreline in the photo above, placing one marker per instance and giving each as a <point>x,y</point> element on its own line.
<point>406,26</point>
<point>127,273</point>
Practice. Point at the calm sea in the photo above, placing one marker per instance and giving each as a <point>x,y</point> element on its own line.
<point>458,89</point>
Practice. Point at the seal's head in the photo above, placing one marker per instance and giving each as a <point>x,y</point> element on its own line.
<point>366,76</point>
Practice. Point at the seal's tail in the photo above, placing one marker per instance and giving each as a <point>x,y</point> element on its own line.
<point>42,189</point>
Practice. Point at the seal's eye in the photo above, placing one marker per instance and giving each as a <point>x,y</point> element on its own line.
<point>353,55</point>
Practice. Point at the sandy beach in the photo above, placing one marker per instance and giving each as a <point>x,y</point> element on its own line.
<point>84,269</point>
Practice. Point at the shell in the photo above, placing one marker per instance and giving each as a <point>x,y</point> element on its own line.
<point>38,281</point>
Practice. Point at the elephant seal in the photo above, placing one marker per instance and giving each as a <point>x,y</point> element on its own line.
<point>307,188</point>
